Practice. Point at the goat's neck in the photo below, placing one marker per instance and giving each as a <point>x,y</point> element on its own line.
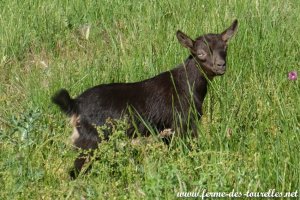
<point>196,77</point>
<point>195,72</point>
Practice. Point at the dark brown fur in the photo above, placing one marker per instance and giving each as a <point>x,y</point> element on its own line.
<point>157,100</point>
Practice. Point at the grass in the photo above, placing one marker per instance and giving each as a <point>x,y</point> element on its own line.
<point>250,134</point>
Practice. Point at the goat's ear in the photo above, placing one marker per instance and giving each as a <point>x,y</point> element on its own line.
<point>229,33</point>
<point>185,40</point>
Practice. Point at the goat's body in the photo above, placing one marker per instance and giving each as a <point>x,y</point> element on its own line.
<point>155,100</point>
<point>160,101</point>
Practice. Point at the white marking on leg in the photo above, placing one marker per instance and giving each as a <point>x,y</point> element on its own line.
<point>75,135</point>
<point>75,122</point>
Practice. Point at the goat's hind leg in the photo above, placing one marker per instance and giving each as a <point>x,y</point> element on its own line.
<point>87,141</point>
<point>78,165</point>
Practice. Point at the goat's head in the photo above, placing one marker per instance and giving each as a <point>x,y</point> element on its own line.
<point>210,50</point>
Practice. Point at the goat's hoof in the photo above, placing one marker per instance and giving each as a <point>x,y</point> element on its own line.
<point>73,174</point>
<point>166,133</point>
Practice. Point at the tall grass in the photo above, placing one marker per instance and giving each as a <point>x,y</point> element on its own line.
<point>248,138</point>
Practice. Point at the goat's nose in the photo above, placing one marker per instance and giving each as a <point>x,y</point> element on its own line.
<point>221,64</point>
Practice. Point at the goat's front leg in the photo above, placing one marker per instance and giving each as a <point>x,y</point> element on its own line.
<point>167,135</point>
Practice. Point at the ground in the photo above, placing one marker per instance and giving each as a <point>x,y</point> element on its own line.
<point>249,136</point>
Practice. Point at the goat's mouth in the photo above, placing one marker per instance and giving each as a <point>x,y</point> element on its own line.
<point>213,70</point>
<point>220,72</point>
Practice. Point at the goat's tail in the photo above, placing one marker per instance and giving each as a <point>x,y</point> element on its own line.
<point>64,101</point>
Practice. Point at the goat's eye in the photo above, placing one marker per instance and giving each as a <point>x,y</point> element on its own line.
<point>201,54</point>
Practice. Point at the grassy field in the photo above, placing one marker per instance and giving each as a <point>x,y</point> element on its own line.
<point>249,137</point>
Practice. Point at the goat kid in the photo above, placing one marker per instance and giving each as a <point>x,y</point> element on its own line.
<point>156,100</point>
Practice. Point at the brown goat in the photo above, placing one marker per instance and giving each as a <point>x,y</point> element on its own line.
<point>159,101</point>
